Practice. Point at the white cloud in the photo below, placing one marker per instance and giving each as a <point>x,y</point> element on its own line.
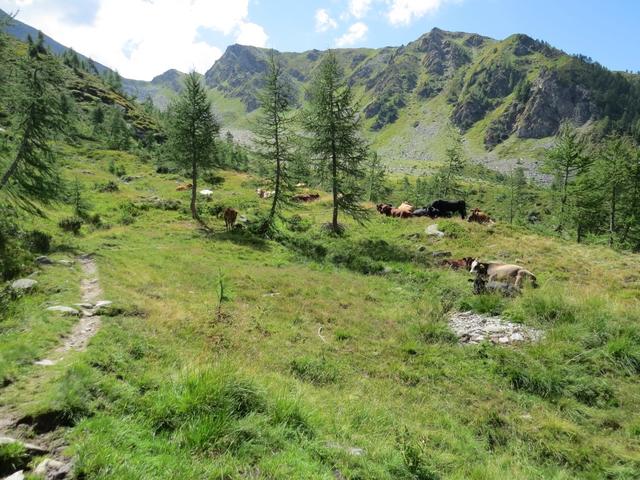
<point>143,38</point>
<point>403,12</point>
<point>324,21</point>
<point>359,8</point>
<point>355,33</point>
<point>252,34</point>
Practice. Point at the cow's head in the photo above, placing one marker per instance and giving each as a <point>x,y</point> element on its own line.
<point>479,268</point>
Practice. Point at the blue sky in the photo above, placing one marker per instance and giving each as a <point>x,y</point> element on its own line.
<point>143,38</point>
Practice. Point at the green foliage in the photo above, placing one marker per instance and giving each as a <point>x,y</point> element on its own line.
<point>13,457</point>
<point>333,126</point>
<point>446,182</point>
<point>274,137</point>
<point>71,224</point>
<point>37,241</point>
<point>31,175</point>
<point>192,131</point>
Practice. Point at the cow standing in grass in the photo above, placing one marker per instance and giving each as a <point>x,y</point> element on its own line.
<point>230,215</point>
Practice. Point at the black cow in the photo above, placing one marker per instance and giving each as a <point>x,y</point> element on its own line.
<point>421,212</point>
<point>445,208</point>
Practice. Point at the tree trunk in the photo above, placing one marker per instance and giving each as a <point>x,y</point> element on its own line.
<point>563,201</point>
<point>612,216</point>
<point>276,195</point>
<point>334,173</point>
<point>194,189</point>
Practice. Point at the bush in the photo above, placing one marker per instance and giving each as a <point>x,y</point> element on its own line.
<point>71,225</point>
<point>318,371</point>
<point>129,212</point>
<point>37,241</point>
<point>298,224</point>
<point>108,187</point>
<point>117,170</point>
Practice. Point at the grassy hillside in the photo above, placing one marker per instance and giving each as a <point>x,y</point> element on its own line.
<point>327,357</point>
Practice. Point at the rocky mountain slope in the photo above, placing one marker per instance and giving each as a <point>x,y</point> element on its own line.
<point>508,96</point>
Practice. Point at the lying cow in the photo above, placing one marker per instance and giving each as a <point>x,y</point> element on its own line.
<point>184,187</point>
<point>306,197</point>
<point>465,263</point>
<point>495,272</point>
<point>446,208</point>
<point>406,207</point>
<point>398,213</point>
<point>384,209</point>
<point>479,217</point>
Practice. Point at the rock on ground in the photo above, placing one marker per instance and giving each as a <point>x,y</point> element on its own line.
<point>64,310</point>
<point>52,469</point>
<point>44,260</point>
<point>433,231</point>
<point>19,475</point>
<point>472,329</point>
<point>24,284</point>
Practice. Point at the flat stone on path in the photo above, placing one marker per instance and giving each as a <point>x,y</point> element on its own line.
<point>64,310</point>
<point>50,469</point>
<point>29,447</point>
<point>24,284</point>
<point>45,363</point>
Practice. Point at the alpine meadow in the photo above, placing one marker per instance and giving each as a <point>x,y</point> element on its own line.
<point>418,262</point>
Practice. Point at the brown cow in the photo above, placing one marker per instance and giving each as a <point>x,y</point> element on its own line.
<point>465,263</point>
<point>230,216</point>
<point>384,209</point>
<point>184,187</point>
<point>479,217</point>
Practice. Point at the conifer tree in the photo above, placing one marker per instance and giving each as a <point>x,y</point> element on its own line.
<point>193,129</point>
<point>447,179</point>
<point>566,160</point>
<point>376,182</point>
<point>274,136</point>
<point>31,175</point>
<point>333,125</point>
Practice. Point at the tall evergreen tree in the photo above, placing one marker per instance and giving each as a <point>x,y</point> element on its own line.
<point>448,177</point>
<point>31,175</point>
<point>273,135</point>
<point>566,160</point>
<point>193,129</point>
<point>612,165</point>
<point>333,125</point>
<point>517,190</point>
<point>376,181</point>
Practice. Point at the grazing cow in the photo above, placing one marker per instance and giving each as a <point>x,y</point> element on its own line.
<point>184,187</point>
<point>495,271</point>
<point>465,263</point>
<point>230,216</point>
<point>479,217</point>
<point>206,193</point>
<point>445,208</point>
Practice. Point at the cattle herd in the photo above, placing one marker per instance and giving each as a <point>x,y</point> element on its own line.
<point>438,209</point>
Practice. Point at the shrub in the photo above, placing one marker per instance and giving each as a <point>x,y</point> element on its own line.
<point>298,224</point>
<point>318,371</point>
<point>116,169</point>
<point>37,241</point>
<point>129,212</point>
<point>108,187</point>
<point>71,225</point>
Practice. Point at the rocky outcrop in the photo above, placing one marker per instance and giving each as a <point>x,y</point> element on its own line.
<point>552,102</point>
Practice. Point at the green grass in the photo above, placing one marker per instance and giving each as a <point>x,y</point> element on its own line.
<point>325,346</point>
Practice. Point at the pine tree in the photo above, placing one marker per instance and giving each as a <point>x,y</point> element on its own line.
<point>376,181</point>
<point>333,124</point>
<point>119,134</point>
<point>192,132</point>
<point>81,207</point>
<point>273,135</point>
<point>448,177</point>
<point>517,191</point>
<point>32,176</point>
<point>614,161</point>
<point>566,160</point>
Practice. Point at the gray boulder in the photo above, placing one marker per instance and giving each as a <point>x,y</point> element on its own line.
<point>44,260</point>
<point>53,469</point>
<point>64,310</point>
<point>24,284</point>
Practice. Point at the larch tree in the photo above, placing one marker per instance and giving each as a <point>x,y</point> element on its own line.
<point>193,129</point>
<point>566,161</point>
<point>333,125</point>
<point>446,180</point>
<point>273,134</point>
<point>30,175</point>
